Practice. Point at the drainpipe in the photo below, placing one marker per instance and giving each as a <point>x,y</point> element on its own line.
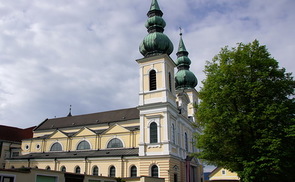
<point>122,166</point>
<point>55,164</point>
<point>86,166</point>
<point>29,163</point>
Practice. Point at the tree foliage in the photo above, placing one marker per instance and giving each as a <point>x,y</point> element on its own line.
<point>247,115</point>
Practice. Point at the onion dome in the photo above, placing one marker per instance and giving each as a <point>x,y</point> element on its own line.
<point>184,78</point>
<point>155,42</point>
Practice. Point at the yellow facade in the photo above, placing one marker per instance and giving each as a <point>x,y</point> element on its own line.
<point>154,139</point>
<point>221,174</point>
<point>169,153</point>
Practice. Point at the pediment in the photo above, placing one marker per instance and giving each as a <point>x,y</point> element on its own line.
<point>116,129</point>
<point>58,134</point>
<point>84,132</point>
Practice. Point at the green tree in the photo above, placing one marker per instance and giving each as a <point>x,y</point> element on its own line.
<point>247,115</point>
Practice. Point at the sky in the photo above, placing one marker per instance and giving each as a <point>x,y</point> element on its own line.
<point>58,53</point>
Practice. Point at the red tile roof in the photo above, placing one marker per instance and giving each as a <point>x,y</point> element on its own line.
<point>10,133</point>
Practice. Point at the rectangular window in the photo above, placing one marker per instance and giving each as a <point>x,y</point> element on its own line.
<point>6,179</point>
<point>15,154</point>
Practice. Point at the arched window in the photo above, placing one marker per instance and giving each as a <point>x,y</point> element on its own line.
<point>153,80</point>
<point>48,168</point>
<point>78,170</point>
<point>95,171</point>
<point>112,171</point>
<point>56,147</point>
<point>115,143</point>
<point>63,169</point>
<point>133,171</point>
<point>12,167</point>
<point>186,141</point>
<point>153,132</point>
<point>173,133</point>
<point>154,171</point>
<point>84,145</point>
<point>170,84</point>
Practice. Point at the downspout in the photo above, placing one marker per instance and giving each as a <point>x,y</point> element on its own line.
<point>122,166</point>
<point>55,164</point>
<point>86,166</point>
<point>29,163</point>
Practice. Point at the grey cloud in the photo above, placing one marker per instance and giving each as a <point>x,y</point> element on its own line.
<point>61,52</point>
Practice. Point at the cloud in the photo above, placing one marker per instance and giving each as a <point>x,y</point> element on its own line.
<point>82,53</point>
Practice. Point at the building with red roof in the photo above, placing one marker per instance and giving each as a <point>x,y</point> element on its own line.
<point>10,141</point>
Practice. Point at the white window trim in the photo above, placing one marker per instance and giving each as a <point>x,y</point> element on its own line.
<point>157,121</point>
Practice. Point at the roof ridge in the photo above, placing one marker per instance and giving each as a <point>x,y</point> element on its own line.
<point>94,113</point>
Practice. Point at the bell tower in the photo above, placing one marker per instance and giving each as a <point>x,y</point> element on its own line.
<point>165,100</point>
<point>157,100</point>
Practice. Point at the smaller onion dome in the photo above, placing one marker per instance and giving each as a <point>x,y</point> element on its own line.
<point>155,42</point>
<point>184,78</point>
<point>182,55</point>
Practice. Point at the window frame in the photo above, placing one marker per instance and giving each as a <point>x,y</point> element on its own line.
<point>95,170</point>
<point>153,172</point>
<point>132,171</point>
<point>173,134</point>
<point>152,80</point>
<point>115,139</point>
<point>55,143</point>
<point>78,170</point>
<point>186,141</point>
<point>154,138</point>
<point>112,171</point>
<point>83,141</point>
<point>170,82</point>
<point>63,169</point>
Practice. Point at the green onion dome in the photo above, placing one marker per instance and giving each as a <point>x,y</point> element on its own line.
<point>184,78</point>
<point>182,61</point>
<point>155,42</point>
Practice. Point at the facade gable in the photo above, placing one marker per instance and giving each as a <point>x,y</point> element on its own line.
<point>57,134</point>
<point>116,129</point>
<point>223,174</point>
<point>84,132</point>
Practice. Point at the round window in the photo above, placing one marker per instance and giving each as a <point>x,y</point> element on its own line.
<point>38,146</point>
<point>27,147</point>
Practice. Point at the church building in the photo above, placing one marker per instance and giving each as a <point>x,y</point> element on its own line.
<point>155,138</point>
